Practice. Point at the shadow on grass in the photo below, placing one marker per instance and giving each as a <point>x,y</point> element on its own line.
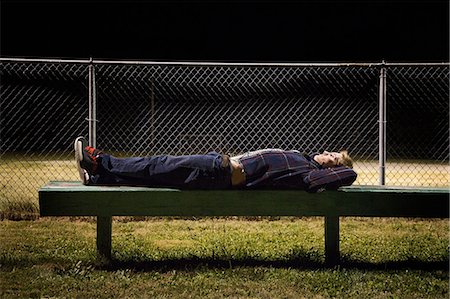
<point>298,262</point>
<point>306,261</point>
<point>19,210</point>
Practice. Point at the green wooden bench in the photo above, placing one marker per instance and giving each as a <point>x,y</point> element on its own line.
<point>74,199</point>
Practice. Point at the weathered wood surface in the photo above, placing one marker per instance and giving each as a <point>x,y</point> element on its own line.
<point>75,199</point>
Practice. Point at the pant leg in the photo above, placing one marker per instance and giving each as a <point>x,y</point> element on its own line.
<point>184,172</point>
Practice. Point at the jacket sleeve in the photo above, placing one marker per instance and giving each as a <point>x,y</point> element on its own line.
<point>329,178</point>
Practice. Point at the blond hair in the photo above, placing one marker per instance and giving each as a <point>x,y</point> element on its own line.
<point>346,160</point>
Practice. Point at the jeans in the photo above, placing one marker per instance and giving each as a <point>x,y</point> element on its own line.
<point>182,172</point>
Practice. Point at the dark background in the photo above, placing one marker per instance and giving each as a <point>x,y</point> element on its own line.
<point>296,31</point>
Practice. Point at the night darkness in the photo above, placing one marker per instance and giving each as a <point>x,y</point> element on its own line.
<point>295,31</point>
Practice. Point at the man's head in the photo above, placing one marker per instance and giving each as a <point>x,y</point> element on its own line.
<point>333,159</point>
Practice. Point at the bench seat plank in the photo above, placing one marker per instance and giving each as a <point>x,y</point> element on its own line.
<point>75,199</point>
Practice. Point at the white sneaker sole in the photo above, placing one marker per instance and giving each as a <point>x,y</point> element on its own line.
<point>78,146</point>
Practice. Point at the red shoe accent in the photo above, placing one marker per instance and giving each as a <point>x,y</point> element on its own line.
<point>93,154</point>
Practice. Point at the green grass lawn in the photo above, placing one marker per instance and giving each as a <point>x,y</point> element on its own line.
<point>215,258</point>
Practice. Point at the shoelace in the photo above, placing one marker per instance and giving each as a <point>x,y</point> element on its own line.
<point>93,153</point>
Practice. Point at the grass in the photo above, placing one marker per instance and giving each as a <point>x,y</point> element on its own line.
<point>20,179</point>
<point>212,258</point>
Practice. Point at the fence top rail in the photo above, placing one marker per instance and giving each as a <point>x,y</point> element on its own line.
<point>226,64</point>
<point>44,60</point>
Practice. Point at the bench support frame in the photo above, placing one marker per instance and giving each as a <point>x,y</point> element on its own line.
<point>332,255</point>
<point>104,235</point>
<point>75,199</point>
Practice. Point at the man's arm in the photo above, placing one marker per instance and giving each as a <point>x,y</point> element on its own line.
<point>329,178</point>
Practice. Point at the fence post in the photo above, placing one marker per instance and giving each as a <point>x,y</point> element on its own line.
<point>382,126</point>
<point>92,106</point>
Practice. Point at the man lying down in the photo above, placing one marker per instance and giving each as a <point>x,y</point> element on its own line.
<point>261,169</point>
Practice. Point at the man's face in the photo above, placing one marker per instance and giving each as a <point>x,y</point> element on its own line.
<point>329,159</point>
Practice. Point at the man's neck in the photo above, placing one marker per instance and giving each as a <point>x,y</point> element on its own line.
<point>317,159</point>
<point>314,160</point>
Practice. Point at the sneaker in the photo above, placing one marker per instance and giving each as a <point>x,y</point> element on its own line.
<point>86,158</point>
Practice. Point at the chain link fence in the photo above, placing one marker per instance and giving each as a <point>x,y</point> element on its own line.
<point>143,108</point>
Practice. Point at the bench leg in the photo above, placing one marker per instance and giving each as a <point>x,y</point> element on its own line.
<point>332,240</point>
<point>104,231</point>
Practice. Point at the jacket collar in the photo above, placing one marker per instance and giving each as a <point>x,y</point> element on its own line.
<point>312,161</point>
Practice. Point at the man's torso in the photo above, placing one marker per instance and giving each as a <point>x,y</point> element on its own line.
<point>273,168</point>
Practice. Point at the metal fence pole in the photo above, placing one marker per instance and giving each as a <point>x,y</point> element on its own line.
<point>382,126</point>
<point>92,107</point>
